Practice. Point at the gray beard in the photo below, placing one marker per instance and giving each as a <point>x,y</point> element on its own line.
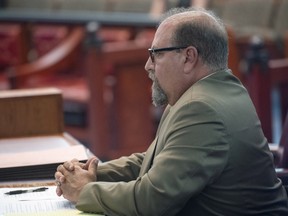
<point>159,97</point>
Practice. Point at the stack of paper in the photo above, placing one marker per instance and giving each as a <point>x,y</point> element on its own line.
<point>36,162</point>
<point>36,203</point>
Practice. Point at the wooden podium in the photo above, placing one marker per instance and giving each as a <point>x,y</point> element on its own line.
<point>32,140</point>
<point>30,112</point>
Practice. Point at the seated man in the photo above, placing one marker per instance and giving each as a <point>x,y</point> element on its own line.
<point>209,156</point>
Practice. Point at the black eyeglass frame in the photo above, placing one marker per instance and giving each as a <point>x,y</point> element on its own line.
<point>152,51</point>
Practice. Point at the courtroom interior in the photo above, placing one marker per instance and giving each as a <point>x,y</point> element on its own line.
<point>94,53</point>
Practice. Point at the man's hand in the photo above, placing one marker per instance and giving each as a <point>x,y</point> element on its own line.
<point>72,176</point>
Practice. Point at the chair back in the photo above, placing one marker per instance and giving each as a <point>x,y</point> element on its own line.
<point>11,50</point>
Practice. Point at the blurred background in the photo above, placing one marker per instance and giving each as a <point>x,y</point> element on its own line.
<point>94,51</point>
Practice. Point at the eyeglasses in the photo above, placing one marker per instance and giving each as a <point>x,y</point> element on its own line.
<point>153,51</point>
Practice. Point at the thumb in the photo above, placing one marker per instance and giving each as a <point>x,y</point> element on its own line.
<point>92,168</point>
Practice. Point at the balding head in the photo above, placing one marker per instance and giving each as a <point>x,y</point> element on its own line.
<point>202,29</point>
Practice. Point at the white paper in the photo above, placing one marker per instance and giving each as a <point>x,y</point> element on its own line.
<point>32,202</point>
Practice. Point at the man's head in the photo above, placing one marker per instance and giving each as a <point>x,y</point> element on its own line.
<point>189,44</point>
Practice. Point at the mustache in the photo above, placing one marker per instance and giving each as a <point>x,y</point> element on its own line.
<point>151,75</point>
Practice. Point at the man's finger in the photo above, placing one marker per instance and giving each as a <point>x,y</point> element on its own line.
<point>89,162</point>
<point>58,175</point>
<point>74,160</point>
<point>62,170</point>
<point>69,165</point>
<point>59,191</point>
<point>93,166</point>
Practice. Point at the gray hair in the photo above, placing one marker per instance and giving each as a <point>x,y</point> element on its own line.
<point>205,31</point>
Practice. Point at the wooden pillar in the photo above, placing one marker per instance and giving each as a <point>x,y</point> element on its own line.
<point>258,83</point>
<point>98,121</point>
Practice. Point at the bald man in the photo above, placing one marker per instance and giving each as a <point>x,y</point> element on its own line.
<point>209,156</point>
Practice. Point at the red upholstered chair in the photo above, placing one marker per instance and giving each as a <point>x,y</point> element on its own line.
<point>113,34</point>
<point>12,49</point>
<point>46,37</point>
<point>52,67</point>
<point>11,46</point>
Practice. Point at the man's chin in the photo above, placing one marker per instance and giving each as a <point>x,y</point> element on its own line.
<point>159,102</point>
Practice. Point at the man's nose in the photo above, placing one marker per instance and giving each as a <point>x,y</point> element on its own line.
<point>149,65</point>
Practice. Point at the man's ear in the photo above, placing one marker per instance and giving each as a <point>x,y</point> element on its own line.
<point>191,58</point>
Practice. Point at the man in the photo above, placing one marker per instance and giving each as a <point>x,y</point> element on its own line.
<point>209,157</point>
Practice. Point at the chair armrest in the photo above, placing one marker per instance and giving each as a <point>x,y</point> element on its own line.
<point>277,152</point>
<point>283,175</point>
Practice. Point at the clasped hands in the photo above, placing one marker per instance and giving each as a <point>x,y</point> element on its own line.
<point>73,175</point>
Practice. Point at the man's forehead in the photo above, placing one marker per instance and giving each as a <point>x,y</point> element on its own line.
<point>162,35</point>
<point>165,29</point>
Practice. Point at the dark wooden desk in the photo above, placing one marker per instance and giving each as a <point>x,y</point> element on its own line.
<point>32,136</point>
